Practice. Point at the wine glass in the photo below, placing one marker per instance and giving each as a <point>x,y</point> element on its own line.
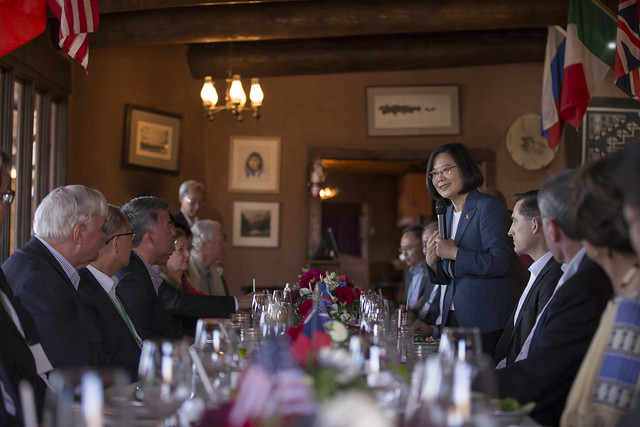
<point>214,352</point>
<point>460,343</point>
<point>165,376</point>
<point>258,305</point>
<point>87,397</point>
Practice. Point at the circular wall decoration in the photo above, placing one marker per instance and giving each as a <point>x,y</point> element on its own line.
<point>526,146</point>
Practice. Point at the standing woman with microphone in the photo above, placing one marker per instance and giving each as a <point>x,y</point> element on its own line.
<point>475,257</point>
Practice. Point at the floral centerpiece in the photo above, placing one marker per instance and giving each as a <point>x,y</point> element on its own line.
<point>339,294</point>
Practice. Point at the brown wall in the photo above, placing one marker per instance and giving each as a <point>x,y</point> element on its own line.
<point>307,112</point>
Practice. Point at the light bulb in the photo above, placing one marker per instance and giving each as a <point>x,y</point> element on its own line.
<point>208,93</point>
<point>236,93</point>
<point>256,95</point>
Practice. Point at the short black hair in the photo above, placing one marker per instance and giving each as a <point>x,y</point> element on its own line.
<point>529,208</point>
<point>415,229</point>
<point>471,174</point>
<point>628,175</point>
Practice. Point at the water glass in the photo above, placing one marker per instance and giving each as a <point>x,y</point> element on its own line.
<point>460,344</point>
<point>258,305</point>
<point>165,373</point>
<point>214,354</point>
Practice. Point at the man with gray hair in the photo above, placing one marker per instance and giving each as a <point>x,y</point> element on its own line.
<point>207,254</point>
<point>191,196</point>
<point>552,353</point>
<point>68,228</point>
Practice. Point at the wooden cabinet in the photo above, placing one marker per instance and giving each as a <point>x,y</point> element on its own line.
<point>414,201</point>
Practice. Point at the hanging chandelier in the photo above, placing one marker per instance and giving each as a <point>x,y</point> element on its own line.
<point>235,97</point>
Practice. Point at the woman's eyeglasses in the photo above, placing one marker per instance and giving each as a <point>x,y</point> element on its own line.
<point>445,171</point>
<point>118,235</point>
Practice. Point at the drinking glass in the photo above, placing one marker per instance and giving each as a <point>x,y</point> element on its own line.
<point>77,397</point>
<point>214,353</point>
<point>460,344</point>
<point>165,376</point>
<point>273,320</point>
<point>258,305</point>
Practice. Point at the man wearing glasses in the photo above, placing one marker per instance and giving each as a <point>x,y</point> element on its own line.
<point>416,280</point>
<point>97,290</point>
<point>191,196</point>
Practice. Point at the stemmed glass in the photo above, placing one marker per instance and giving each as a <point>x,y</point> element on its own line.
<point>87,397</point>
<point>460,344</point>
<point>165,376</point>
<point>258,305</point>
<point>213,354</point>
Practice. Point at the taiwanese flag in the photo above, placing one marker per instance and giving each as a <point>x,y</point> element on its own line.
<point>20,22</point>
<point>313,337</point>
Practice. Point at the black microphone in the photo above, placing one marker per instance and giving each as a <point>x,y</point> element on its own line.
<point>441,212</point>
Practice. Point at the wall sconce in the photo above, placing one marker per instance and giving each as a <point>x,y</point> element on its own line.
<point>235,97</point>
<point>327,193</point>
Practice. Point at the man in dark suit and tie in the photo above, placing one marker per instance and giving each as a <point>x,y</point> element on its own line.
<point>528,238</point>
<point>147,297</point>
<point>19,340</point>
<point>551,355</point>
<point>416,280</point>
<point>68,228</point>
<point>191,196</point>
<point>97,290</point>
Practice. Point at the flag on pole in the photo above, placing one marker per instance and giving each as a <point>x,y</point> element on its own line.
<point>627,75</point>
<point>552,85</point>
<point>273,385</point>
<point>77,19</point>
<point>20,22</point>
<point>591,34</point>
<point>313,335</point>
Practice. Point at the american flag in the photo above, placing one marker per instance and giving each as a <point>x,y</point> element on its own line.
<point>627,75</point>
<point>77,19</point>
<point>273,385</point>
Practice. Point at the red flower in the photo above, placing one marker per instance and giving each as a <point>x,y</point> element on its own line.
<point>310,277</point>
<point>345,295</point>
<point>304,307</point>
<point>356,293</point>
<point>295,296</point>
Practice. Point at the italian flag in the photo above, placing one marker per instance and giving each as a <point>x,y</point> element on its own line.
<point>590,52</point>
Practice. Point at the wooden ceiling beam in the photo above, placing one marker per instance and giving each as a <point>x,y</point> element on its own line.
<point>319,19</point>
<point>361,54</point>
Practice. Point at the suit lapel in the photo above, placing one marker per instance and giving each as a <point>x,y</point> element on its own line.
<point>468,211</point>
<point>48,256</point>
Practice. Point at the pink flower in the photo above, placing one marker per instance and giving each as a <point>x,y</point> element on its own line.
<point>345,295</point>
<point>310,277</point>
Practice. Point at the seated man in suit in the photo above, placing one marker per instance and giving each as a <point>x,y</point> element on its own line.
<point>552,353</point>
<point>148,299</point>
<point>68,228</point>
<point>415,279</point>
<point>21,355</point>
<point>97,290</point>
<point>528,239</point>
<point>429,306</point>
<point>191,196</point>
<point>207,254</point>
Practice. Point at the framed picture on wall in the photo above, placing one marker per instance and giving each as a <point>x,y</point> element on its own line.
<point>609,125</point>
<point>151,138</point>
<point>412,110</point>
<point>256,224</point>
<point>254,164</point>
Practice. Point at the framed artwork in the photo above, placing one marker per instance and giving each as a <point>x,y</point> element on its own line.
<point>151,138</point>
<point>256,224</point>
<point>412,110</point>
<point>254,164</point>
<point>609,125</point>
